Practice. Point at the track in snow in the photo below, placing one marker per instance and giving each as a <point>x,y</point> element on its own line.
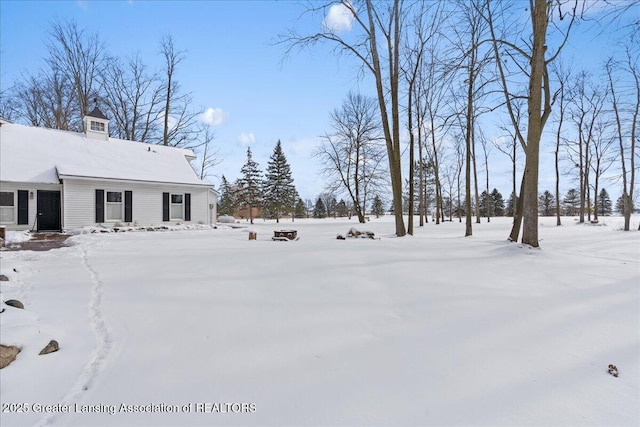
<point>104,341</point>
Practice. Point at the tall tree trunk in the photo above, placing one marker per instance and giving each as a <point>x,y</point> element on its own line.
<point>411,156</point>
<point>517,212</point>
<point>391,133</point>
<point>469,141</point>
<point>421,183</point>
<point>475,172</point>
<point>536,119</point>
<point>557,154</point>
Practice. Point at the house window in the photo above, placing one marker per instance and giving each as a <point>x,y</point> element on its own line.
<point>7,207</point>
<point>114,206</point>
<point>177,206</point>
<point>97,126</point>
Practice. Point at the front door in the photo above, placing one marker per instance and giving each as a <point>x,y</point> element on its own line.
<point>49,211</point>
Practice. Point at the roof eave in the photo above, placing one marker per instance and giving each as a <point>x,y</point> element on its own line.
<point>100,178</point>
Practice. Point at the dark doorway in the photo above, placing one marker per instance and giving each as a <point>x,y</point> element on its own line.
<point>49,211</point>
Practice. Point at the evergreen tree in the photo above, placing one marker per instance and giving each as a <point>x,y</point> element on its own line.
<point>511,203</point>
<point>250,185</point>
<point>376,207</point>
<point>620,205</point>
<point>341,208</point>
<point>227,202</point>
<point>279,191</point>
<point>300,209</point>
<point>331,206</point>
<point>571,202</point>
<point>546,204</point>
<point>604,203</point>
<point>319,211</point>
<point>498,202</point>
<point>486,205</point>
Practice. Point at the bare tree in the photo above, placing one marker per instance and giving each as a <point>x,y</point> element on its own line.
<point>178,115</point>
<point>586,105</point>
<point>600,159</point>
<point>425,26</point>
<point>208,155</point>
<point>9,105</point>
<point>626,112</point>
<point>49,100</point>
<point>78,57</point>
<point>378,48</point>
<point>486,150</point>
<point>133,97</point>
<point>433,111</point>
<point>511,148</point>
<point>471,30</point>
<point>352,156</point>
<point>536,58</point>
<point>562,76</point>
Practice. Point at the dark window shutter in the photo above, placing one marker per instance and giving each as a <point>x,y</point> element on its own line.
<point>99,205</point>
<point>128,208</point>
<point>165,206</point>
<point>187,207</point>
<point>23,207</point>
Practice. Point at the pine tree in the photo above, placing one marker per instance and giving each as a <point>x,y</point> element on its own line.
<point>376,207</point>
<point>319,211</point>
<point>620,205</point>
<point>227,203</point>
<point>498,202</point>
<point>546,204</point>
<point>341,208</point>
<point>300,209</point>
<point>510,209</point>
<point>571,202</point>
<point>486,205</point>
<point>279,191</point>
<point>604,203</point>
<point>331,207</point>
<point>250,185</point>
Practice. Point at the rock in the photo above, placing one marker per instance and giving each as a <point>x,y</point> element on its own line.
<point>353,233</point>
<point>226,219</point>
<point>14,303</point>
<point>50,348</point>
<point>3,278</point>
<point>361,234</point>
<point>7,355</point>
<point>340,237</point>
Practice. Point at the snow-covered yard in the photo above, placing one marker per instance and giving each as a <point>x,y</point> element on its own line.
<point>205,327</point>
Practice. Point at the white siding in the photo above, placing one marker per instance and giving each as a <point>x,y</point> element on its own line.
<point>33,203</point>
<point>79,202</point>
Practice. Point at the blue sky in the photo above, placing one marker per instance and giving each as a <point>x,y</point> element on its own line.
<point>233,68</point>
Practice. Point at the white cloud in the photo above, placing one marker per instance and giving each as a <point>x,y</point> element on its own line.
<point>246,138</point>
<point>214,116</point>
<point>339,18</point>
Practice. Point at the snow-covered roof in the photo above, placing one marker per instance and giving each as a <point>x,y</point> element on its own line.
<point>39,155</point>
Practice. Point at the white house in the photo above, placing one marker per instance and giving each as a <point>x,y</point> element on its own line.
<point>58,180</point>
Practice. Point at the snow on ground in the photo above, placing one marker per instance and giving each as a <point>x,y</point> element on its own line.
<point>205,327</point>
<point>17,236</point>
